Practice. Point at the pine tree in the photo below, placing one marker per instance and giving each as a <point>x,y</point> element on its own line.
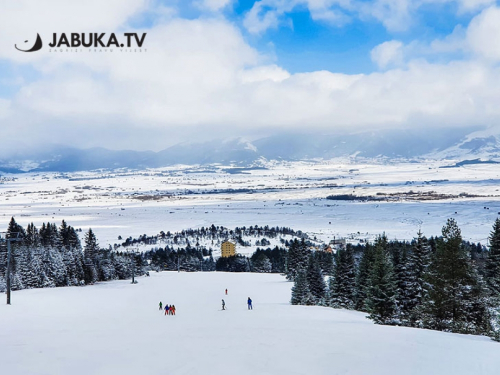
<point>91,247</point>
<point>297,259</point>
<point>14,230</point>
<point>455,301</point>
<point>37,278</point>
<point>3,286</point>
<point>32,237</point>
<point>301,295</point>
<point>73,240</point>
<point>342,285</point>
<point>381,299</point>
<point>492,267</point>
<point>418,265</point>
<point>315,280</point>
<point>90,252</point>
<point>64,234</point>
<point>402,277</point>
<point>262,264</point>
<point>363,277</point>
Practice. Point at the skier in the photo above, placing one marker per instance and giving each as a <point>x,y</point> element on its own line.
<point>172,308</point>
<point>223,305</point>
<point>166,309</point>
<point>226,292</point>
<point>160,306</point>
<point>249,304</point>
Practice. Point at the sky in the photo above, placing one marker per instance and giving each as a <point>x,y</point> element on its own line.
<point>225,68</point>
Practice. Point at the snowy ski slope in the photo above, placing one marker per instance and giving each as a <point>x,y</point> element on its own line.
<point>116,328</point>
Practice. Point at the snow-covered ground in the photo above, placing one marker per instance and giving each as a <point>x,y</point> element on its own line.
<point>116,328</point>
<point>133,203</point>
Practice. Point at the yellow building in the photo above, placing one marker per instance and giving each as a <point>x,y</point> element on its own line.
<point>227,249</point>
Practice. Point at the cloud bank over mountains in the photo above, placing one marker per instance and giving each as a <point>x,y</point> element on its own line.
<point>203,77</point>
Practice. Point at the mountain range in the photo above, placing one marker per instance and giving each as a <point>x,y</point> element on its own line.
<point>457,145</point>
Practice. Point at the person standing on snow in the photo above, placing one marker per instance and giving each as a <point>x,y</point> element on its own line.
<point>172,308</point>
<point>249,302</point>
<point>223,305</point>
<point>166,309</point>
<point>160,306</point>
<point>226,292</point>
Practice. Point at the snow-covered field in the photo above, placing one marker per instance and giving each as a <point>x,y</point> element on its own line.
<point>116,328</point>
<point>132,203</point>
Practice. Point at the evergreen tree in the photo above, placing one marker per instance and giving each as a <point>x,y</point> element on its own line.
<point>325,261</point>
<point>262,264</point>
<point>23,266</point>
<point>91,248</point>
<point>14,230</point>
<point>363,277</point>
<point>381,299</point>
<point>54,267</point>
<point>301,295</point>
<point>315,280</point>
<point>64,234</point>
<point>32,237</point>
<point>455,301</point>
<point>73,241</point>
<point>90,252</point>
<point>297,259</point>
<point>492,267</point>
<point>342,285</point>
<point>418,265</point>
<point>3,286</point>
<point>402,275</point>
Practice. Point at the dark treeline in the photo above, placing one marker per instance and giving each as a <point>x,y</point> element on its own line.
<point>441,283</point>
<point>262,261</point>
<point>183,259</point>
<point>54,256</point>
<point>200,259</point>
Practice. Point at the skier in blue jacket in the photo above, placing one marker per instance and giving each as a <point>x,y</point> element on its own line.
<point>249,304</point>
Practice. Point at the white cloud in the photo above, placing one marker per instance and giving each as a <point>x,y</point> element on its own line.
<point>472,5</point>
<point>268,14</point>
<point>387,54</point>
<point>214,5</point>
<point>395,15</point>
<point>201,74</point>
<point>483,34</point>
<point>258,20</point>
<point>264,73</point>
<point>4,108</point>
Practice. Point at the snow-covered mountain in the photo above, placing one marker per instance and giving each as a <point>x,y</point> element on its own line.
<point>483,145</point>
<point>458,145</point>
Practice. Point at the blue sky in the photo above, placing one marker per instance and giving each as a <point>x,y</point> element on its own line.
<point>302,44</point>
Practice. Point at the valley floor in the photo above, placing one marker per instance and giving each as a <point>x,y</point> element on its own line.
<point>408,197</point>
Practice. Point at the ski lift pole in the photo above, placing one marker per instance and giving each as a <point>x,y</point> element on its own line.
<point>134,254</point>
<point>8,272</point>
<point>7,276</point>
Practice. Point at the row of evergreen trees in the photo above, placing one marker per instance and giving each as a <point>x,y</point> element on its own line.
<point>53,256</point>
<point>200,259</point>
<point>437,287</point>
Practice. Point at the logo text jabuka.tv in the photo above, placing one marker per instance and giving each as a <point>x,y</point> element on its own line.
<point>60,41</point>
